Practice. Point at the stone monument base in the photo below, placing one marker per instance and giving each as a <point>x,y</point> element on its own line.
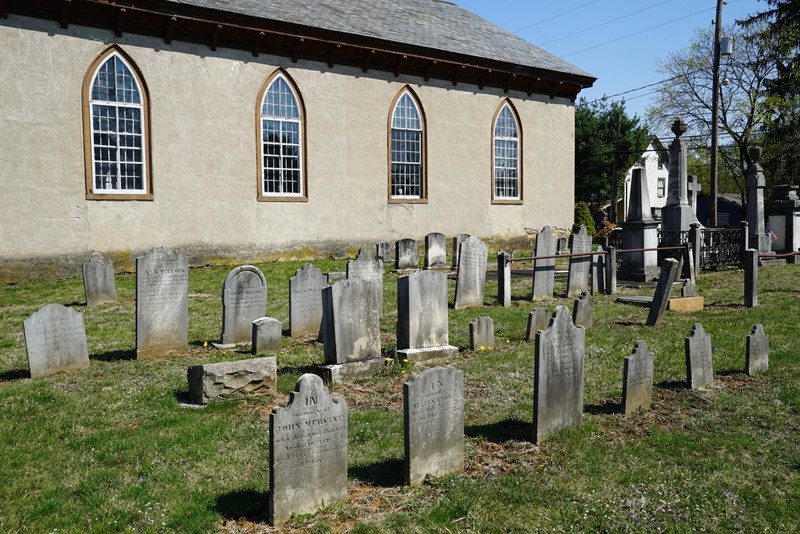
<point>219,345</point>
<point>336,373</point>
<point>427,354</point>
<point>686,304</point>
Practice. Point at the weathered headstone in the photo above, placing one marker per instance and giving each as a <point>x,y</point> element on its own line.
<point>435,251</point>
<point>370,269</point>
<point>504,279</point>
<point>558,376</point>
<point>471,278</point>
<point>406,254</point>
<point>232,380</point>
<point>669,271</point>
<point>583,310</point>
<point>637,379</point>
<point>307,451</point>
<point>544,270</point>
<point>266,335</point>
<point>579,266</point>
<point>756,183</point>
<point>599,272</point>
<point>305,301</point>
<point>98,280</point>
<point>562,246</point>
<point>335,276</point>
<point>422,325</point>
<point>244,299</point>
<point>699,369</point>
<point>433,406</point>
<point>457,240</point>
<point>640,231</point>
<point>538,319</point>
<point>383,251</point>
<point>677,215</point>
<point>757,352</point>
<point>481,333</point>
<point>55,340</point>
<point>162,302</point>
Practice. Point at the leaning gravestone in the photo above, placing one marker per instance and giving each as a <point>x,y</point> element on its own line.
<point>422,325</point>
<point>583,310</point>
<point>266,334</point>
<point>699,369</point>
<point>471,278</point>
<point>98,280</point>
<point>305,301</point>
<point>579,266</point>
<point>669,271</point>
<point>162,302</point>
<point>435,251</point>
<point>538,319</point>
<point>637,379</point>
<point>370,269</point>
<point>244,299</point>
<point>405,254</point>
<point>757,353</point>
<point>544,270</point>
<point>232,380</point>
<point>481,333</point>
<point>55,340</point>
<point>558,376</point>
<point>307,451</point>
<point>433,406</point>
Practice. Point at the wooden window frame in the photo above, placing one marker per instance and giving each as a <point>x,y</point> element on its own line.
<point>509,201</point>
<point>423,197</point>
<point>88,138</point>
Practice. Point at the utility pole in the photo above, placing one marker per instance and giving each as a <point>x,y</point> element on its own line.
<point>712,212</point>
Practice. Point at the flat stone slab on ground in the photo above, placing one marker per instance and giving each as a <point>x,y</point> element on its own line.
<point>337,373</point>
<point>636,301</point>
<point>442,352</point>
<point>232,380</point>
<point>686,304</point>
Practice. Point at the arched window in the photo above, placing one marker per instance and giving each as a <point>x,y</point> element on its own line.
<point>282,170</point>
<point>115,124</point>
<point>407,149</point>
<point>506,155</point>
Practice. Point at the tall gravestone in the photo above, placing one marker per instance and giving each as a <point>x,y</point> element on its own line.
<point>640,231</point>
<point>433,408</point>
<point>677,215</point>
<point>55,340</point>
<point>435,251</point>
<point>98,280</point>
<point>307,451</point>
<point>471,278</point>
<point>544,270</point>
<point>756,183</point>
<point>757,351</point>
<point>162,303</point>
<point>457,240</point>
<point>538,319</point>
<point>699,368</point>
<point>305,301</point>
<point>637,379</point>
<point>422,316</point>
<point>370,269</point>
<point>406,254</point>
<point>579,266</point>
<point>558,376</point>
<point>244,299</point>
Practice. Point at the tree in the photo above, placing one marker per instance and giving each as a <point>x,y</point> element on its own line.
<point>596,126</point>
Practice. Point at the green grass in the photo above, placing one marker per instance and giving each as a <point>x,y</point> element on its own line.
<point>109,449</point>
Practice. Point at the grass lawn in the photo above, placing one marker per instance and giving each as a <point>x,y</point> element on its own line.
<point>109,448</point>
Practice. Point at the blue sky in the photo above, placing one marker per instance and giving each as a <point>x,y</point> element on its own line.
<point>647,30</point>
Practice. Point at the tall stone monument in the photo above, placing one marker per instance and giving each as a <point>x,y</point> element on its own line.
<point>755,182</point>
<point>640,230</point>
<point>677,215</point>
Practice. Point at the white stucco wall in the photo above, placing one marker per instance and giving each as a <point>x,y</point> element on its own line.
<point>204,155</point>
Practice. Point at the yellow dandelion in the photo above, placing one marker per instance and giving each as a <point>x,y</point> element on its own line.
<point>483,348</point>
<point>205,344</point>
<point>405,360</point>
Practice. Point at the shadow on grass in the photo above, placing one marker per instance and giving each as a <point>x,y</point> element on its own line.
<point>299,369</point>
<point>502,431</point>
<point>15,374</point>
<point>249,505</point>
<point>630,323</point>
<point>387,473</point>
<point>115,355</point>
<point>673,385</point>
<point>607,408</point>
<point>730,372</point>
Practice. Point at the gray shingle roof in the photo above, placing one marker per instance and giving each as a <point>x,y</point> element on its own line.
<point>434,24</point>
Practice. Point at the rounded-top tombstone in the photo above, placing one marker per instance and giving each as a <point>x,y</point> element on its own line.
<point>244,299</point>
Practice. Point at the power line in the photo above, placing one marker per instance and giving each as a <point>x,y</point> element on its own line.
<point>556,16</point>
<point>605,97</point>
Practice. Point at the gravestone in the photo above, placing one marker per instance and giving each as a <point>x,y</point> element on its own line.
<point>370,269</point>
<point>756,183</point>
<point>504,279</point>
<point>471,278</point>
<point>544,270</point>
<point>305,301</point>
<point>583,310</point>
<point>751,278</point>
<point>55,340</point>
<point>637,379</point>
<point>558,376</point>
<point>405,254</point>
<point>757,352</point>
<point>538,319</point>
<point>433,409</point>
<point>699,369</point>
<point>307,451</point>
<point>481,333</point>
<point>677,215</point>
<point>640,231</point>
<point>669,271</point>
<point>98,280</point>
<point>435,251</point>
<point>422,322</point>
<point>599,272</point>
<point>383,251</point>
<point>693,189</point>
<point>232,380</point>
<point>562,246</point>
<point>162,303</point>
<point>266,335</point>
<point>244,299</point>
<point>335,276</point>
<point>457,240</point>
<point>579,266</point>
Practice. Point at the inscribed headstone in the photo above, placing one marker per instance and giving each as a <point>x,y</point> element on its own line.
<point>305,301</point>
<point>406,254</point>
<point>232,380</point>
<point>433,406</point>
<point>558,375</point>
<point>350,326</point>
<point>699,368</point>
<point>637,379</point>
<point>55,340</point>
<point>162,302</point>
<point>370,269</point>
<point>307,451</point>
<point>266,335</point>
<point>544,270</point>
<point>538,319</point>
<point>579,266</point>
<point>471,278</point>
<point>435,251</point>
<point>244,299</point>
<point>98,280</point>
<point>583,309</point>
<point>457,240</point>
<point>422,316</point>
<point>669,271</point>
<point>481,333</point>
<point>757,353</point>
